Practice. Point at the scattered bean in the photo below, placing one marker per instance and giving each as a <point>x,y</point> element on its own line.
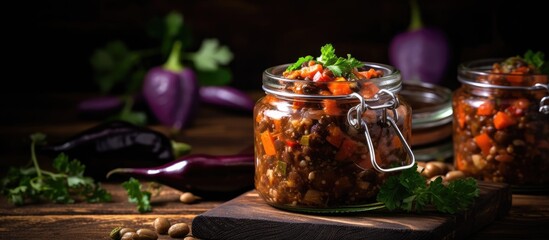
<point>161,225</point>
<point>129,236</point>
<point>454,175</point>
<point>179,230</point>
<point>432,169</point>
<point>188,197</point>
<point>146,234</point>
<point>126,230</point>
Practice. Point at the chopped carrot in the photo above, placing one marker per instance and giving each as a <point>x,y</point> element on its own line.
<point>371,73</point>
<point>339,88</point>
<point>277,125</point>
<point>310,71</point>
<point>461,164</point>
<point>484,142</point>
<point>268,143</point>
<point>330,107</point>
<point>503,120</point>
<point>485,109</point>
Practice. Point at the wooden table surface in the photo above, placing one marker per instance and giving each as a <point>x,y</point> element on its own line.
<point>214,131</point>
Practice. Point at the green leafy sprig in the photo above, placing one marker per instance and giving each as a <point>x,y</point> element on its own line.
<point>409,191</point>
<point>537,60</point>
<point>340,67</point>
<point>135,195</point>
<point>67,185</point>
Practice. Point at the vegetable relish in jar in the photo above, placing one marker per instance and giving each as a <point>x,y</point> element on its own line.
<point>501,121</point>
<point>328,133</point>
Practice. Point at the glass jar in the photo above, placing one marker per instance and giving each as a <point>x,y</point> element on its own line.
<point>501,126</point>
<point>329,154</point>
<point>431,120</point>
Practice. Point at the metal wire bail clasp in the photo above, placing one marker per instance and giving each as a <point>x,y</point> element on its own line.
<point>354,117</point>
<point>544,102</point>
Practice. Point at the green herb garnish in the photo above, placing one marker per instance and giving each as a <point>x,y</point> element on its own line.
<point>537,60</point>
<point>67,185</point>
<point>409,191</point>
<point>340,67</point>
<point>135,195</point>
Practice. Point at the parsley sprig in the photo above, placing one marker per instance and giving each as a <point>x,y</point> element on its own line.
<point>409,191</point>
<point>537,60</point>
<point>67,185</point>
<point>135,195</point>
<point>340,67</point>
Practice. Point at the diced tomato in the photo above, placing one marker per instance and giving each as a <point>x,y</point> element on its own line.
<point>321,77</point>
<point>518,107</point>
<point>291,143</point>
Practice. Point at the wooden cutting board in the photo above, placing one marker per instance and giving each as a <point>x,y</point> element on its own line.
<point>249,217</point>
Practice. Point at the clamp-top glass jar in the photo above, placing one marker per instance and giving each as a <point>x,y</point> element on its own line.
<point>328,146</point>
<point>501,124</point>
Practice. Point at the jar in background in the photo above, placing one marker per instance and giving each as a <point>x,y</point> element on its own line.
<point>501,126</point>
<point>329,153</point>
<point>431,120</point>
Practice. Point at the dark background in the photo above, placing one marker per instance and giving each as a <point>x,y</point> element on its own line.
<point>49,43</point>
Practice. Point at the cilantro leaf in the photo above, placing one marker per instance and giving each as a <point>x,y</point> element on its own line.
<point>67,185</point>
<point>299,62</point>
<point>135,195</point>
<point>340,67</point>
<point>537,60</point>
<point>210,55</point>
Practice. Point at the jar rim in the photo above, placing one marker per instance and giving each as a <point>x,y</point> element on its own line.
<point>273,81</point>
<point>436,101</point>
<point>471,72</point>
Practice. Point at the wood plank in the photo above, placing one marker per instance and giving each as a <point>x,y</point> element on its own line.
<point>166,202</point>
<point>78,226</point>
<point>249,217</point>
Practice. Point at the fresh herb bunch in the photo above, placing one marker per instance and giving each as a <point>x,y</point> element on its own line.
<point>340,67</point>
<point>135,195</point>
<point>67,185</point>
<point>409,191</point>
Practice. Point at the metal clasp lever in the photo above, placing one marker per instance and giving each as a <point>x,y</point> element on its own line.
<point>544,102</point>
<point>356,121</point>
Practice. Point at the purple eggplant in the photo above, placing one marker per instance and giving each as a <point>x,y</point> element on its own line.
<point>171,91</point>
<point>208,176</point>
<point>115,144</point>
<point>421,53</point>
<point>227,97</point>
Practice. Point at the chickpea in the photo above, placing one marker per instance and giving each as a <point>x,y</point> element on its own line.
<point>161,225</point>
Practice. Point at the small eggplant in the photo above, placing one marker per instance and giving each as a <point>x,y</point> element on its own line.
<point>227,97</point>
<point>421,53</point>
<point>115,144</point>
<point>171,91</point>
<point>207,176</point>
